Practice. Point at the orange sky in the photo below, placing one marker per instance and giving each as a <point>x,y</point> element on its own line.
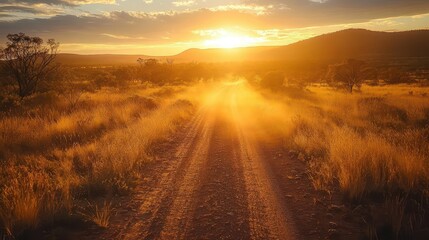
<point>167,27</point>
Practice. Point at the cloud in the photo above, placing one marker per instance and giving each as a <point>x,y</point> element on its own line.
<point>18,9</point>
<point>57,2</point>
<point>37,9</point>
<point>319,1</point>
<point>248,8</point>
<point>322,12</point>
<point>122,37</point>
<point>183,3</point>
<point>144,27</point>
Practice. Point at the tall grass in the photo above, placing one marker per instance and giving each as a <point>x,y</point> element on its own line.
<point>53,157</point>
<point>366,145</point>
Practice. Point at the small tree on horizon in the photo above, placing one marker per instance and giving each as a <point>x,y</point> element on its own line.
<point>28,61</point>
<point>348,74</point>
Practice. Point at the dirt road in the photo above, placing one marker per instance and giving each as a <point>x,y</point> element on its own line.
<point>215,181</point>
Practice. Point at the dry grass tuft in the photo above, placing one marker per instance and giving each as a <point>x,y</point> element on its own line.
<point>102,214</point>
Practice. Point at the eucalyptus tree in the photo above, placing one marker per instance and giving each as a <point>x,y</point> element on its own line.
<point>28,60</point>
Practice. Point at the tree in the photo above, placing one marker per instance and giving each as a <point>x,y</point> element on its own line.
<point>151,70</point>
<point>149,62</point>
<point>348,74</point>
<point>28,61</point>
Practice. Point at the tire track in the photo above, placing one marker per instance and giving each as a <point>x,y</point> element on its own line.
<point>177,220</point>
<point>220,206</point>
<point>154,202</point>
<point>268,218</point>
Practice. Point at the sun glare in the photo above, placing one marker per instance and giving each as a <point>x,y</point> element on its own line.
<point>231,40</point>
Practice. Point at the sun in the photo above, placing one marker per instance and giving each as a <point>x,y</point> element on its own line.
<point>230,40</point>
<point>225,42</point>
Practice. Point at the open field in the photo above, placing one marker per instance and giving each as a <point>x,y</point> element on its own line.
<point>250,162</point>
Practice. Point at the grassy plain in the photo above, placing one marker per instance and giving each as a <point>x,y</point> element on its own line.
<point>54,156</point>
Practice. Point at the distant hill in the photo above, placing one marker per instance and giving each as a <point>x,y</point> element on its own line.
<point>350,43</point>
<point>357,43</point>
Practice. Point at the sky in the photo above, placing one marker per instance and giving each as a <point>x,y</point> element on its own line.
<point>167,27</point>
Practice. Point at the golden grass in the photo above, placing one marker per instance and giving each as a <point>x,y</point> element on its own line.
<point>102,214</point>
<point>372,142</point>
<point>53,157</point>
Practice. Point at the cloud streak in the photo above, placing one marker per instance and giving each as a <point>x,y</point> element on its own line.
<point>57,2</point>
<point>36,9</point>
<point>311,12</point>
<point>183,3</point>
<point>150,26</point>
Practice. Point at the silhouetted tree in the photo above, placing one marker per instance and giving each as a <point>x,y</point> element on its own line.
<point>140,61</point>
<point>348,74</point>
<point>28,60</point>
<point>150,62</point>
<point>149,68</point>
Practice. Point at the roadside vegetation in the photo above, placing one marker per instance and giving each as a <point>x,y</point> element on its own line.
<point>53,157</point>
<point>372,147</point>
